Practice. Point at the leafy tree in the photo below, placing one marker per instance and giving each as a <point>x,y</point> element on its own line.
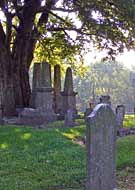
<point>105,78</point>
<point>29,23</point>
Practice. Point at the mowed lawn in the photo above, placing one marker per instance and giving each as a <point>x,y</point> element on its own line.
<point>52,159</point>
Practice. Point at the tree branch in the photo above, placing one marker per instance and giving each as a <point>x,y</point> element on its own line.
<point>78,30</point>
<point>18,9</point>
<point>2,36</point>
<point>2,4</point>
<point>64,10</point>
<point>45,14</point>
<point>43,8</point>
<point>60,18</point>
<point>8,29</point>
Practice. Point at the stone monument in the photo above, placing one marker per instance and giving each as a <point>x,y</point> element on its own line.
<point>36,82</point>
<point>57,89</point>
<point>101,149</point>
<point>68,95</point>
<point>120,113</point>
<point>44,94</point>
<point>69,118</point>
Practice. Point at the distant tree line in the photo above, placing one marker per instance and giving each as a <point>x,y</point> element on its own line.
<point>105,78</point>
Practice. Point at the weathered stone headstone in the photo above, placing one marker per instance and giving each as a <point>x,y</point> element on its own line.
<point>69,118</point>
<point>101,149</point>
<point>105,99</point>
<point>57,89</point>
<point>120,113</point>
<point>46,75</point>
<point>30,116</point>
<point>36,82</point>
<point>44,94</point>
<point>68,95</point>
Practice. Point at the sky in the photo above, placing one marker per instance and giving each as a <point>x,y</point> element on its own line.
<point>127,58</point>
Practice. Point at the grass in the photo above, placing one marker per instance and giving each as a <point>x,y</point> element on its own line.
<point>50,159</point>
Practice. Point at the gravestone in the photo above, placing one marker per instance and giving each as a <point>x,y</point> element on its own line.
<point>69,118</point>
<point>68,95</point>
<point>101,149</point>
<point>57,89</point>
<point>44,94</point>
<point>31,116</point>
<point>36,82</point>
<point>42,99</point>
<point>46,75</point>
<point>120,113</point>
<point>105,99</point>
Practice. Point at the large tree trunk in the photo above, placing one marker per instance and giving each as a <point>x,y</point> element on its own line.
<point>7,99</point>
<point>14,80</point>
<point>23,55</point>
<point>16,54</point>
<point>21,87</point>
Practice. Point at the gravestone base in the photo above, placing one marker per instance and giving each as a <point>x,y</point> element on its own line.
<point>30,116</point>
<point>69,119</point>
<point>120,113</point>
<point>32,99</point>
<point>44,102</point>
<point>69,102</point>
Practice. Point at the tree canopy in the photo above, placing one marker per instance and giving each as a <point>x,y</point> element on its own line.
<point>108,24</point>
<point>62,29</point>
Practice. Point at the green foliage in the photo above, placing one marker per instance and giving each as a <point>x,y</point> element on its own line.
<point>129,121</point>
<point>56,49</point>
<point>62,28</point>
<point>110,23</point>
<point>105,78</point>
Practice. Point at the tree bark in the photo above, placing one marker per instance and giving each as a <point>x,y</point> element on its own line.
<point>7,99</point>
<point>15,61</point>
<point>22,56</point>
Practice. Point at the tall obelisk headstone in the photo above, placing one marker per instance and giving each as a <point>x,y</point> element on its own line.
<point>36,82</point>
<point>44,94</point>
<point>68,95</point>
<point>46,75</point>
<point>101,149</point>
<point>57,89</point>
